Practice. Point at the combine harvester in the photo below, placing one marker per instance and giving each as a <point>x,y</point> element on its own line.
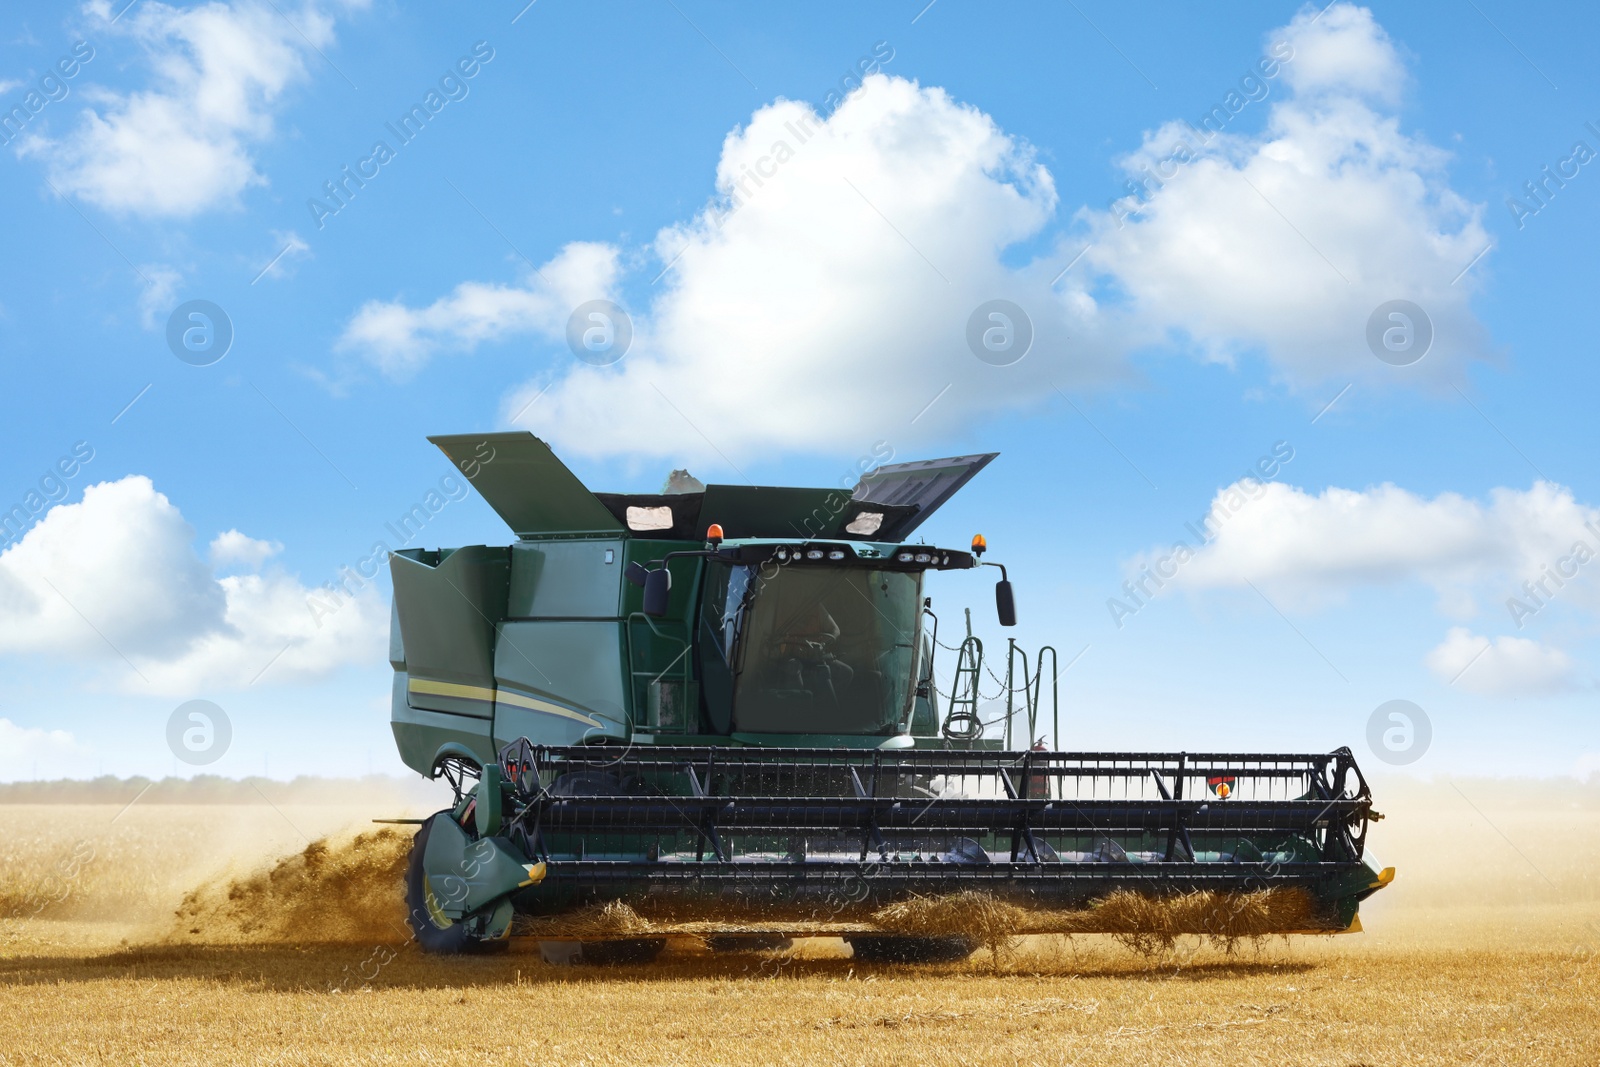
<point>715,712</point>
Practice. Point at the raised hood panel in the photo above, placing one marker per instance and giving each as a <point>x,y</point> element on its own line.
<point>924,485</point>
<point>526,484</point>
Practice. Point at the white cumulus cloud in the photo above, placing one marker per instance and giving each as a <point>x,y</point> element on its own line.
<point>829,300</point>
<point>1286,242</point>
<point>825,291</point>
<point>1314,547</point>
<point>115,569</point>
<point>185,143</point>
<point>399,339</point>
<point>823,294</point>
<point>115,581</point>
<point>290,247</point>
<point>1503,666</point>
<point>234,549</point>
<point>157,297</point>
<point>28,752</point>
<point>1502,561</point>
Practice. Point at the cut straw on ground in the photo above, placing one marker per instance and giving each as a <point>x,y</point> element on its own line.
<point>1150,925</point>
<point>349,889</point>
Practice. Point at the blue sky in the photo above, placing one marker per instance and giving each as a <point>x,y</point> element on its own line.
<point>1184,327</point>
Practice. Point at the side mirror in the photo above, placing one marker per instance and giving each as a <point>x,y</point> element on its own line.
<point>1005,604</point>
<point>636,574</point>
<point>657,592</point>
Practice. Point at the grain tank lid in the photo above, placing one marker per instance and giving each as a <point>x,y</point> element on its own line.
<point>924,484</point>
<point>764,511</point>
<point>526,484</point>
<point>770,511</point>
<point>756,511</point>
<point>657,516</point>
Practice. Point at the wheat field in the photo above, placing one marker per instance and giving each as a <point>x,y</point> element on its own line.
<point>201,934</point>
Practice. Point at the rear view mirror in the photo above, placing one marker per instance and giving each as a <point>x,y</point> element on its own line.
<point>636,574</point>
<point>1005,604</point>
<point>657,592</point>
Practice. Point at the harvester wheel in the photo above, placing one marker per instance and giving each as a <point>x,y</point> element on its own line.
<point>892,948</point>
<point>435,931</point>
<point>617,953</point>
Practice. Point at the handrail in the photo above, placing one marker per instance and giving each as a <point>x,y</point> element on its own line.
<point>1055,691</point>
<point>1012,652</point>
<point>633,671</point>
<point>648,621</point>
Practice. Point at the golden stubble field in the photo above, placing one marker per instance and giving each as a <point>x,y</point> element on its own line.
<point>1481,952</point>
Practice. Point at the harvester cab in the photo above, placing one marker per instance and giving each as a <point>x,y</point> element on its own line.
<point>735,614</point>
<point>719,705</point>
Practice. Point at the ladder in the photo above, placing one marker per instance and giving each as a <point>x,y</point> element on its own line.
<point>961,721</point>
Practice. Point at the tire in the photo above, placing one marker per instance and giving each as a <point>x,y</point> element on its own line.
<point>892,948</point>
<point>748,942</point>
<point>436,933</point>
<point>620,953</point>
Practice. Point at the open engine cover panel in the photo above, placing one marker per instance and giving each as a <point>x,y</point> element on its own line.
<point>527,485</point>
<point>923,485</point>
<point>538,496</point>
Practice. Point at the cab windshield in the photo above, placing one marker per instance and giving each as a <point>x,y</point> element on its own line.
<point>818,649</point>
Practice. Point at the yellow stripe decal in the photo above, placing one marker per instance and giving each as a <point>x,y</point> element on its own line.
<point>490,696</point>
<point>535,704</point>
<point>451,689</point>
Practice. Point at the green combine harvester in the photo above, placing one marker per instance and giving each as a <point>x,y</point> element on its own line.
<point>715,712</point>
